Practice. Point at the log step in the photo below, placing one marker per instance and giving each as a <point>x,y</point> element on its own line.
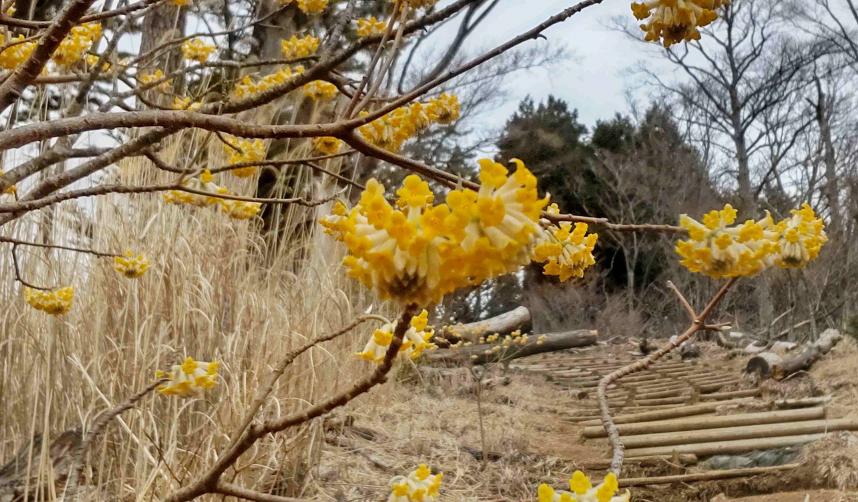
<point>749,432</point>
<point>705,476</point>
<point>725,447</point>
<point>716,422</point>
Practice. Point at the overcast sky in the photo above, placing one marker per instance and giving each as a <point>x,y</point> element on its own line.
<point>598,76</point>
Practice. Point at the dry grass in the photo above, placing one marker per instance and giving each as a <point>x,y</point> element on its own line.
<point>215,291</point>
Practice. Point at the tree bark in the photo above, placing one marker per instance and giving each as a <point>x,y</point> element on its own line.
<point>771,365</point>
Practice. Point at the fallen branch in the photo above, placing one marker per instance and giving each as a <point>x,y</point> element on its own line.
<point>516,319</point>
<point>773,365</point>
<point>486,353</point>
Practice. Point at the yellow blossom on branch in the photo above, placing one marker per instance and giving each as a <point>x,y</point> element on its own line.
<point>56,302</point>
<point>312,6</point>
<point>370,26</point>
<point>155,76</point>
<point>416,340</point>
<point>566,252</point>
<point>419,486</point>
<point>320,90</point>
<point>235,209</point>
<point>76,43</point>
<point>417,252</point>
<point>248,86</point>
<point>392,130</point>
<point>240,209</point>
<point>295,47</point>
<point>582,490</point>
<point>718,248</point>
<point>801,238</point>
<point>244,150</point>
<point>130,265</point>
<point>673,21</point>
<point>181,3</point>
<point>185,103</point>
<point>189,379</point>
<point>197,50</point>
<point>327,145</point>
<point>11,57</point>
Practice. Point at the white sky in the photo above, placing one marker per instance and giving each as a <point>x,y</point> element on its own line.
<point>598,76</point>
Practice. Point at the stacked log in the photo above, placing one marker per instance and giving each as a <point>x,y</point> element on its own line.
<point>772,365</point>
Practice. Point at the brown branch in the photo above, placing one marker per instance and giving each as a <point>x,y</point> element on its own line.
<point>683,301</point>
<point>11,89</point>
<point>19,242</point>
<point>97,428</point>
<point>18,276</point>
<point>234,490</point>
<point>210,481</point>
<point>698,322</point>
<point>27,23</point>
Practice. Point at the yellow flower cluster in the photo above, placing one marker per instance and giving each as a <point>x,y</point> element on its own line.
<point>13,56</point>
<point>181,3</point>
<point>130,265</point>
<point>248,86</point>
<point>320,90</point>
<point>419,252</point>
<point>189,379</point>
<point>92,60</point>
<point>56,302</point>
<point>327,145</point>
<point>566,252</point>
<point>185,103</point>
<point>394,129</point>
<point>76,43</point>
<point>419,486</point>
<point>236,209</point>
<point>295,48</point>
<point>673,21</point>
<point>414,343</point>
<point>582,490</point>
<point>242,150</point>
<point>370,26</point>
<point>155,76</point>
<point>197,50</point>
<point>720,249</point>
<point>312,6</point>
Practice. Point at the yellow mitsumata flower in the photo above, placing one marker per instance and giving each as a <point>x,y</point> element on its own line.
<point>295,47</point>
<point>76,43</point>
<point>184,103</point>
<point>197,50</point>
<point>189,379</point>
<point>801,238</point>
<point>130,265</point>
<point>181,3</point>
<point>244,150</point>
<point>417,252</point>
<point>248,86</point>
<point>312,6</point>
<point>720,249</point>
<point>11,57</point>
<point>566,252</point>
<point>92,60</point>
<point>235,209</point>
<point>370,26</point>
<point>392,130</point>
<point>419,486</point>
<point>673,21</point>
<point>416,340</point>
<point>582,490</point>
<point>321,90</point>
<point>56,302</point>
<point>155,76</point>
<point>327,145</point>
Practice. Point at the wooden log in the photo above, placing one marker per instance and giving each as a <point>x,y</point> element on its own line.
<point>674,412</point>
<point>721,396</point>
<point>684,459</point>
<point>705,476</point>
<point>772,365</point>
<point>698,423</point>
<point>482,354</point>
<point>516,319</point>
<point>725,447</point>
<point>742,432</point>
